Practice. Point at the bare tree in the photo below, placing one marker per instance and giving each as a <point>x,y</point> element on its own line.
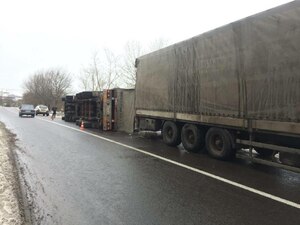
<point>101,74</point>
<point>60,82</point>
<point>47,87</point>
<point>111,69</point>
<point>90,77</point>
<point>157,44</point>
<point>29,97</point>
<point>107,70</point>
<point>133,50</point>
<point>36,90</point>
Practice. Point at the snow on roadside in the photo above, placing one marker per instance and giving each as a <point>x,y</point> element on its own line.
<point>10,212</point>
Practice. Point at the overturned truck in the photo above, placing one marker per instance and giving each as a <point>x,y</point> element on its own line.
<point>233,88</point>
<point>108,110</point>
<point>88,109</point>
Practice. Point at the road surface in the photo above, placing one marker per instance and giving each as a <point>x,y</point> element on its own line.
<point>90,177</point>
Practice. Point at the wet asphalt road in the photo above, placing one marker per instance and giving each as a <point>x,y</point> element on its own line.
<point>75,178</point>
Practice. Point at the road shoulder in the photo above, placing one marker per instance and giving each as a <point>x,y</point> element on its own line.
<point>11,198</point>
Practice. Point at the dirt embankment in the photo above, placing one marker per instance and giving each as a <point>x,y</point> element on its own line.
<point>11,207</point>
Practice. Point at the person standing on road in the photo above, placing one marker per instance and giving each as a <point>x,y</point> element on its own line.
<point>53,112</point>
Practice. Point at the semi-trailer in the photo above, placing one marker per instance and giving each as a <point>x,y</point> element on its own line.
<point>232,88</point>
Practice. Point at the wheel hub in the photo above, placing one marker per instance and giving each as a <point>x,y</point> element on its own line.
<point>170,132</point>
<point>218,143</point>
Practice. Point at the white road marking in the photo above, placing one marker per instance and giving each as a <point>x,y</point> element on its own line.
<point>244,187</point>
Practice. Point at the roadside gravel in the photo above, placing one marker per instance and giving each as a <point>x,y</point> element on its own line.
<point>11,207</point>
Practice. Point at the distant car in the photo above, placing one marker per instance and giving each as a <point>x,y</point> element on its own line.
<point>27,109</point>
<point>41,109</point>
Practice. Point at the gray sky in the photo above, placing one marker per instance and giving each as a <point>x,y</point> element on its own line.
<point>42,34</point>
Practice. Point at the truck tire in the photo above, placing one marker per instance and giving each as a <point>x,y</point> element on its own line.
<point>171,133</point>
<point>263,152</point>
<point>192,138</point>
<point>219,143</point>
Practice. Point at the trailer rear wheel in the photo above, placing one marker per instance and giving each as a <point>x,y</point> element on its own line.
<point>219,143</point>
<point>192,138</point>
<point>171,133</point>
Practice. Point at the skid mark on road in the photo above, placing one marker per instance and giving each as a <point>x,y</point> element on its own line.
<point>235,184</point>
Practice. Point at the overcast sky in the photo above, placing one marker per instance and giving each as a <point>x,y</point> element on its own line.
<point>42,34</point>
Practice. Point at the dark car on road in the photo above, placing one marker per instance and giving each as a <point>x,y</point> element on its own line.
<point>27,109</point>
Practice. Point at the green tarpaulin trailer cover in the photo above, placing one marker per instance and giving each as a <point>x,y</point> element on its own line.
<point>248,69</point>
